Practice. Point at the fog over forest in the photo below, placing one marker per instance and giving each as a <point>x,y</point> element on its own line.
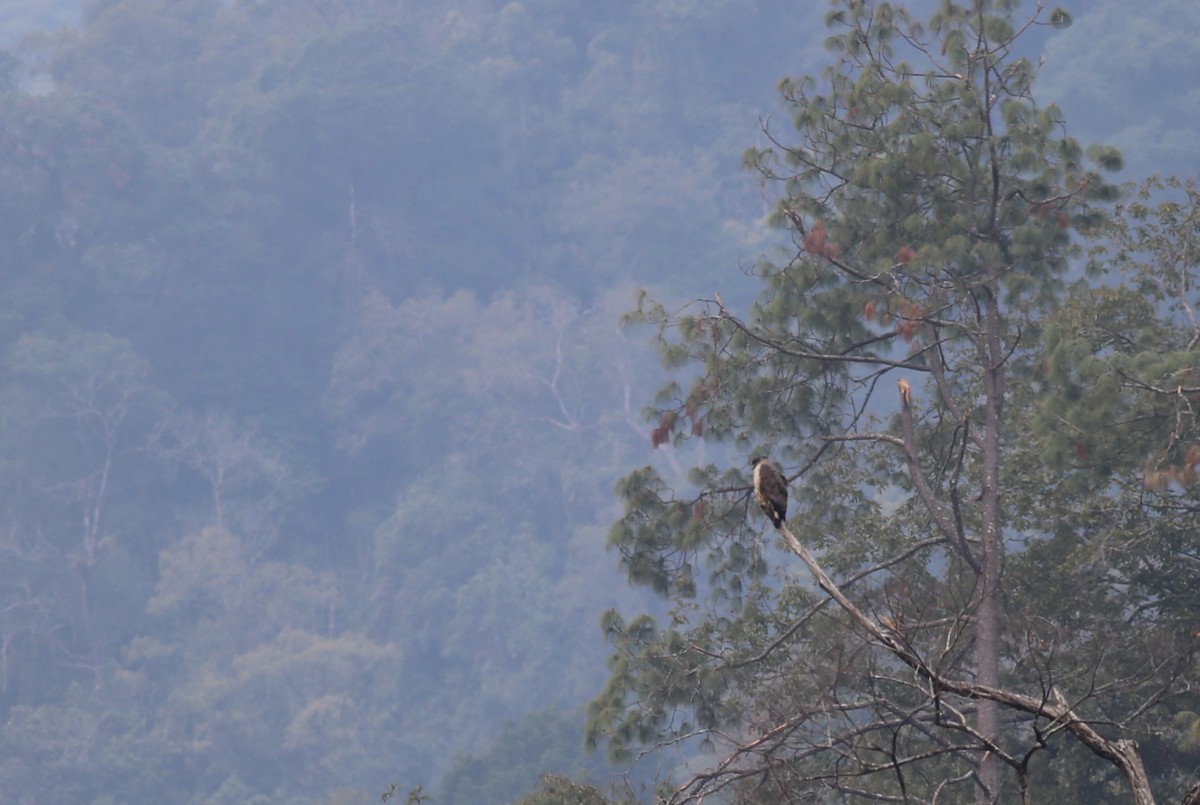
<point>314,385</point>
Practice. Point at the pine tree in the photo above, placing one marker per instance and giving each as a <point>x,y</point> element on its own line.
<point>893,364</point>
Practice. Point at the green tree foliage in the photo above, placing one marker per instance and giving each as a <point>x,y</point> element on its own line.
<point>1116,424</point>
<point>211,699</point>
<point>142,54</point>
<point>311,393</point>
<point>543,747</point>
<point>893,363</point>
<point>477,591</point>
<point>79,415</point>
<point>556,790</point>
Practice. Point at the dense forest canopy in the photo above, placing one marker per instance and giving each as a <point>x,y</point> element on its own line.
<point>313,386</point>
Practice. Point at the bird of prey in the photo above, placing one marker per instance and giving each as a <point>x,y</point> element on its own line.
<point>770,489</point>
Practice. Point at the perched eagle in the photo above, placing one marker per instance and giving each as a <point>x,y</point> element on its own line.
<point>770,489</point>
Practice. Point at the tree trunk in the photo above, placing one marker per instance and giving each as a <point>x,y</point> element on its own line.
<point>989,614</point>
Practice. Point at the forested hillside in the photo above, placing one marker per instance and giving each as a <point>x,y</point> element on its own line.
<point>313,388</point>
